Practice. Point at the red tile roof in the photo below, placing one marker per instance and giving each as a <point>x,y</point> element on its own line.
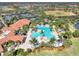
<point>13,38</point>
<point>11,35</point>
<point>19,24</point>
<point>16,38</point>
<point>8,38</point>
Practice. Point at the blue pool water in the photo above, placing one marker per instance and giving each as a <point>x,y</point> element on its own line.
<point>46,32</point>
<point>36,34</point>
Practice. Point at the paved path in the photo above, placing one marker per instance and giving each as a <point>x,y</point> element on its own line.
<point>55,32</point>
<point>27,44</point>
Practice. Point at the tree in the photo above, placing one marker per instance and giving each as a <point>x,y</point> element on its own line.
<point>14,19</point>
<point>5,46</point>
<point>67,34</point>
<point>42,44</point>
<point>76,33</point>
<point>3,21</point>
<point>25,28</point>
<point>52,40</point>
<point>29,50</point>
<point>9,53</point>
<point>7,22</point>
<point>19,52</point>
<point>33,41</point>
<point>67,43</point>
<point>25,53</point>
<point>8,44</point>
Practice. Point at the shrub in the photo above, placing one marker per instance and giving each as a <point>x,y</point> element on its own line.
<point>76,33</point>
<point>19,52</point>
<point>29,50</point>
<point>33,41</point>
<point>42,44</point>
<point>8,44</point>
<point>67,43</point>
<point>67,34</point>
<point>9,53</point>
<point>52,40</point>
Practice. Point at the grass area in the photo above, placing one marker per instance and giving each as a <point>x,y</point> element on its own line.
<point>59,13</point>
<point>71,51</point>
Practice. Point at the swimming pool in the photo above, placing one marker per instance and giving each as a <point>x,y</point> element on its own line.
<point>47,32</point>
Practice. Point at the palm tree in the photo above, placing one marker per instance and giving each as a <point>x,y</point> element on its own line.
<point>11,43</point>
<point>52,40</point>
<point>8,44</point>
<point>24,29</point>
<point>34,41</point>
<point>14,19</point>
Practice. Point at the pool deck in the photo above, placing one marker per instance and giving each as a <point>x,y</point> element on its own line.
<point>27,44</point>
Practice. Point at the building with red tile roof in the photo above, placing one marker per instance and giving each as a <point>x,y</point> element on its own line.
<point>19,24</point>
<point>13,38</point>
<point>11,35</point>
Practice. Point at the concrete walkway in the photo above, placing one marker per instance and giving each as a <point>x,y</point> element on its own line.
<point>55,32</point>
<point>27,44</point>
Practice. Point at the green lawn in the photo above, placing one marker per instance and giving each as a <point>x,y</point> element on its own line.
<point>72,51</point>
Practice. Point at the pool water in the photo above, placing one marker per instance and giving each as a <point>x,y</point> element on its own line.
<point>47,32</point>
<point>36,34</point>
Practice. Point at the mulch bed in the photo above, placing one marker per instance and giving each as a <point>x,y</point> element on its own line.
<point>48,48</point>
